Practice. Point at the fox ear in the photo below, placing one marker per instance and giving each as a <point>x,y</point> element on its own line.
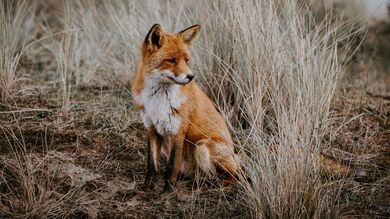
<point>153,39</point>
<point>189,34</point>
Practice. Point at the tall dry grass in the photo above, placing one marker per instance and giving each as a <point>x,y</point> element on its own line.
<point>273,72</point>
<point>65,48</point>
<point>109,35</point>
<point>16,20</point>
<point>269,67</point>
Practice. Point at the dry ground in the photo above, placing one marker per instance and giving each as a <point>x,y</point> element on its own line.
<point>103,166</point>
<point>91,159</point>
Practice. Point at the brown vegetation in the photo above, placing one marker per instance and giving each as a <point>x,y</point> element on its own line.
<point>72,145</point>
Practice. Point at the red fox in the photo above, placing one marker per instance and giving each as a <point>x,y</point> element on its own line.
<point>181,121</point>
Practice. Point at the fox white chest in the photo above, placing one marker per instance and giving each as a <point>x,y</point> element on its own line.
<point>160,102</point>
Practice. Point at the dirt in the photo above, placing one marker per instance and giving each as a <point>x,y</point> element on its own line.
<point>362,106</point>
<point>103,166</point>
<point>86,157</point>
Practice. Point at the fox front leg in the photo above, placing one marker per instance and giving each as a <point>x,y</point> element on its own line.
<point>150,169</point>
<point>154,148</point>
<point>174,162</point>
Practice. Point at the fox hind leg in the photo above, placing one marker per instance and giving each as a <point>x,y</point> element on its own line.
<point>210,155</point>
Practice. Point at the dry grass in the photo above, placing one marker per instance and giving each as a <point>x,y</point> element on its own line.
<point>277,77</point>
<point>65,50</point>
<point>29,185</point>
<point>74,146</point>
<point>15,25</point>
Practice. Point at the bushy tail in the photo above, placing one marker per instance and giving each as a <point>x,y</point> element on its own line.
<point>203,161</point>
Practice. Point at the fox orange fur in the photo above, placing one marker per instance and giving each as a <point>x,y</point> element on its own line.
<point>181,121</point>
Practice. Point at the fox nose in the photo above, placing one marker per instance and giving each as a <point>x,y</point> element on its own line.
<point>190,77</point>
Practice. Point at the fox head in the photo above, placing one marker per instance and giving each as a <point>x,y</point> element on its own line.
<point>165,56</point>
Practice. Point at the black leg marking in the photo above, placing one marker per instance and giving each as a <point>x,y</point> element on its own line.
<point>151,170</point>
<point>169,172</point>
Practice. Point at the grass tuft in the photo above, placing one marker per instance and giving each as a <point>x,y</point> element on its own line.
<point>16,21</point>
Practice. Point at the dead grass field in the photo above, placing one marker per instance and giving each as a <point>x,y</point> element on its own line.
<point>72,145</point>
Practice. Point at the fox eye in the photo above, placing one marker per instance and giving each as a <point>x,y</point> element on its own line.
<point>187,60</point>
<point>172,60</point>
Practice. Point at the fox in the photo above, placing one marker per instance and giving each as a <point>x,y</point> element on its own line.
<point>181,121</point>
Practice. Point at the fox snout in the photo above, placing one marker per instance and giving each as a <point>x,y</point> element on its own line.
<point>182,78</point>
<point>168,77</point>
<point>190,77</point>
